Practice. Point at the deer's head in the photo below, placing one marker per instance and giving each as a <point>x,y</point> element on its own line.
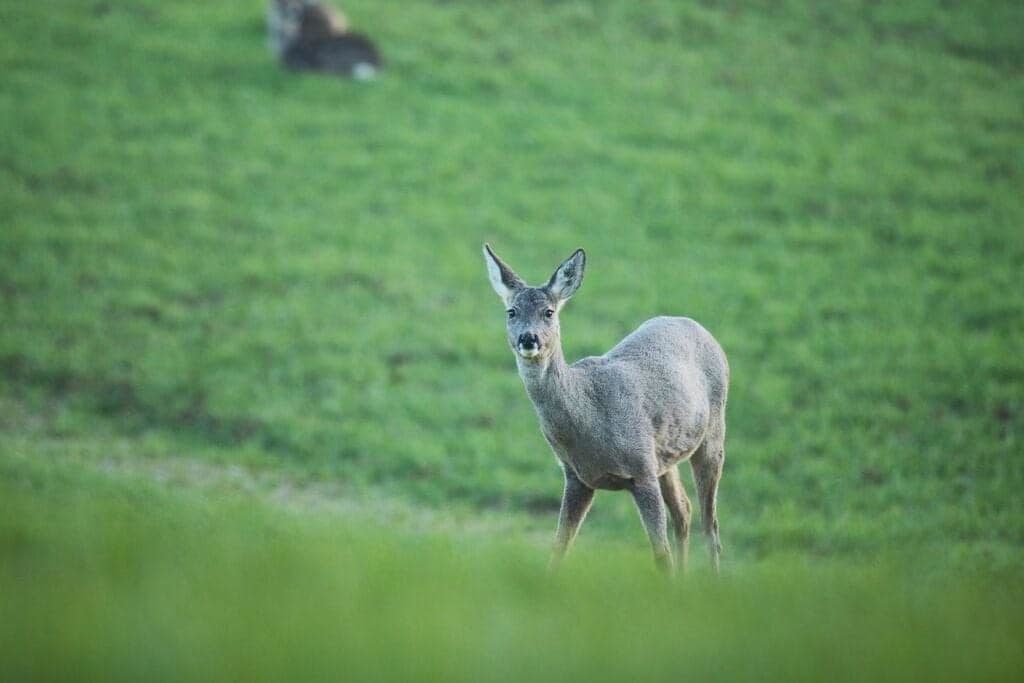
<point>532,312</point>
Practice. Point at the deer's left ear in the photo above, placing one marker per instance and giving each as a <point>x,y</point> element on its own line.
<point>569,276</point>
<point>503,279</point>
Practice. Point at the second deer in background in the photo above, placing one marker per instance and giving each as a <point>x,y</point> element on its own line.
<point>308,35</point>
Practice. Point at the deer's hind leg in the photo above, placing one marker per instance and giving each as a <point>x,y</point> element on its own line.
<point>706,463</point>
<point>674,493</point>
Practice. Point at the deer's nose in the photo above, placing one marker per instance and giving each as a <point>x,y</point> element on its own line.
<point>528,340</point>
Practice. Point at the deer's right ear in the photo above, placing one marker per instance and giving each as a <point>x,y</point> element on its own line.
<point>503,279</point>
<point>568,277</point>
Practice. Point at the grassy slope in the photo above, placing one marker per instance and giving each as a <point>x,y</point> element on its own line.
<point>205,257</point>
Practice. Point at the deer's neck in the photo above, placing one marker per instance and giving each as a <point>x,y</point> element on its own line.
<point>552,387</point>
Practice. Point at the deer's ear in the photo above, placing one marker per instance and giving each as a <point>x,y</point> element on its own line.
<point>569,276</point>
<point>503,279</point>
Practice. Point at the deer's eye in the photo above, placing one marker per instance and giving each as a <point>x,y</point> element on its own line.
<point>511,313</point>
<point>550,313</point>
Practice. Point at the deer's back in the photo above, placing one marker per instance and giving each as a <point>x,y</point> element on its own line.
<point>665,347</point>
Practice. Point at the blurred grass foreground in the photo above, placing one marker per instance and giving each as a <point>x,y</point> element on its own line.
<point>258,419</point>
<point>114,580</point>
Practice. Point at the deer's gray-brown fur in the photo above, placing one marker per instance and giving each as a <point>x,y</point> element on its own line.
<point>626,419</point>
<point>285,17</point>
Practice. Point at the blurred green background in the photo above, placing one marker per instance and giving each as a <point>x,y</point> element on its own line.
<point>240,306</point>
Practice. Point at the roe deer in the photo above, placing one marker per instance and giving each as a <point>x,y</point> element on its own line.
<point>626,419</point>
<point>309,35</point>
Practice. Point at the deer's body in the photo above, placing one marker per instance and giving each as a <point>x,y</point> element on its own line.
<point>643,407</point>
<point>624,420</point>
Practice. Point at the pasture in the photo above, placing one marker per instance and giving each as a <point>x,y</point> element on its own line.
<point>257,414</point>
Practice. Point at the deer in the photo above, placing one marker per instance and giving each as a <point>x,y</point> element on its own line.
<point>310,35</point>
<point>624,420</point>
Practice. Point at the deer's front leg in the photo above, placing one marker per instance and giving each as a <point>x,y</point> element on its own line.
<point>576,500</point>
<point>647,495</point>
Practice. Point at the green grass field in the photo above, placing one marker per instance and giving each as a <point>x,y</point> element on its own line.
<point>258,418</point>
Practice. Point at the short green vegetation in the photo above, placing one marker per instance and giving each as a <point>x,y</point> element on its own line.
<point>258,417</point>
<point>117,580</point>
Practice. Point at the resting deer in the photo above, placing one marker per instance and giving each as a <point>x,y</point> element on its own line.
<point>626,419</point>
<point>310,35</point>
